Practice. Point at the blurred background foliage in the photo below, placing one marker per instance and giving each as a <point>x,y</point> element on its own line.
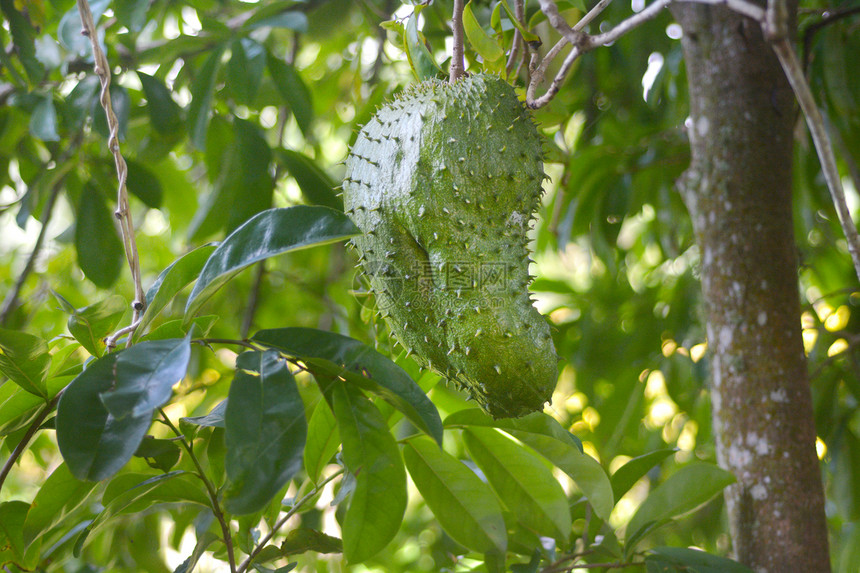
<point>228,108</point>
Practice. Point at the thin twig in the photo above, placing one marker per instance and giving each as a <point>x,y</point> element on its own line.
<point>11,300</point>
<point>457,66</point>
<point>123,211</point>
<point>210,490</point>
<point>280,523</point>
<point>827,19</point>
<point>28,435</point>
<point>516,43</point>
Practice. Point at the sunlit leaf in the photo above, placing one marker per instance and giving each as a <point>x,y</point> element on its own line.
<point>24,358</point>
<point>59,495</point>
<point>91,324</point>
<point>461,502</point>
<point>331,355</point>
<point>627,475</point>
<point>486,46</point>
<point>684,491</point>
<point>423,63</point>
<point>181,272</point>
<point>267,234</point>
<point>523,483</point>
<point>323,441</point>
<point>378,502</point>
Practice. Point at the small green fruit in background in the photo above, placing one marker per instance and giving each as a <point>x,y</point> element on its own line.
<point>444,182</point>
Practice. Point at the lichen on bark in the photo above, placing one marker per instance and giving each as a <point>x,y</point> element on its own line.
<point>738,193</point>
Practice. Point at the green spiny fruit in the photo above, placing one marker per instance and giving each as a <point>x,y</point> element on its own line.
<point>444,182</point>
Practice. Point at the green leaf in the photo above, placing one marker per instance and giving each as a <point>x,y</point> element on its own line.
<point>96,444</point>
<point>100,251</point>
<point>466,510</point>
<point>627,475</point>
<point>133,492</point>
<point>202,92</point>
<point>486,46</point>
<point>294,91</point>
<point>527,36</point>
<point>369,451</point>
<point>23,39</point>
<point>244,184</point>
<point>269,233</point>
<point>69,29</point>
<point>25,359</point>
<point>181,272</point>
<point>684,560</point>
<point>165,115</point>
<point>547,437</point>
<point>323,441</point>
<point>330,355</point>
<point>265,431</point>
<point>304,539</point>
<point>144,184</point>
<point>91,324</point>
<point>683,492</point>
<point>316,185</point>
<point>43,121</point>
<point>275,15</point>
<point>245,69</point>
<point>523,483</point>
<point>145,376</point>
<point>18,407</point>
<point>214,419</point>
<point>59,496</point>
<point>13,548</point>
<point>159,454</point>
<point>423,63</point>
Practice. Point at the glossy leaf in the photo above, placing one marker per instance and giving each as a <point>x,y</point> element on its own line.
<point>316,185</point>
<point>265,431</point>
<point>683,492</point>
<point>100,251</point>
<point>145,376</point>
<point>202,91</point>
<point>378,502</point>
<point>523,483</point>
<point>95,444</point>
<point>59,495</point>
<point>91,324</point>
<point>164,113</point>
<point>294,91</point>
<point>527,36</point>
<point>684,560</point>
<point>330,355</point>
<point>486,46</point>
<point>323,441</point>
<point>464,505</point>
<point>627,475</point>
<point>214,419</point>
<point>181,272</point>
<point>267,234</point>
<point>25,360</point>
<point>547,437</point>
<point>423,63</point>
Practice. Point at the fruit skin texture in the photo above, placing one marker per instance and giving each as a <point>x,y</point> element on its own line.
<point>444,182</point>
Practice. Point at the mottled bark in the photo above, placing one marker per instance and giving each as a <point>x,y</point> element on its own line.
<point>738,192</point>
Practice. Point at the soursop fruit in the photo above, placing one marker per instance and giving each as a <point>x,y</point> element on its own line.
<point>444,182</point>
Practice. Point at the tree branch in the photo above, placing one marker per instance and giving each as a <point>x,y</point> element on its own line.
<point>123,212</point>
<point>457,67</point>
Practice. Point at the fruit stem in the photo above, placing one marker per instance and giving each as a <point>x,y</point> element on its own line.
<point>457,67</point>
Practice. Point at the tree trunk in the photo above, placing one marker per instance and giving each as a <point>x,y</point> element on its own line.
<point>738,192</point>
